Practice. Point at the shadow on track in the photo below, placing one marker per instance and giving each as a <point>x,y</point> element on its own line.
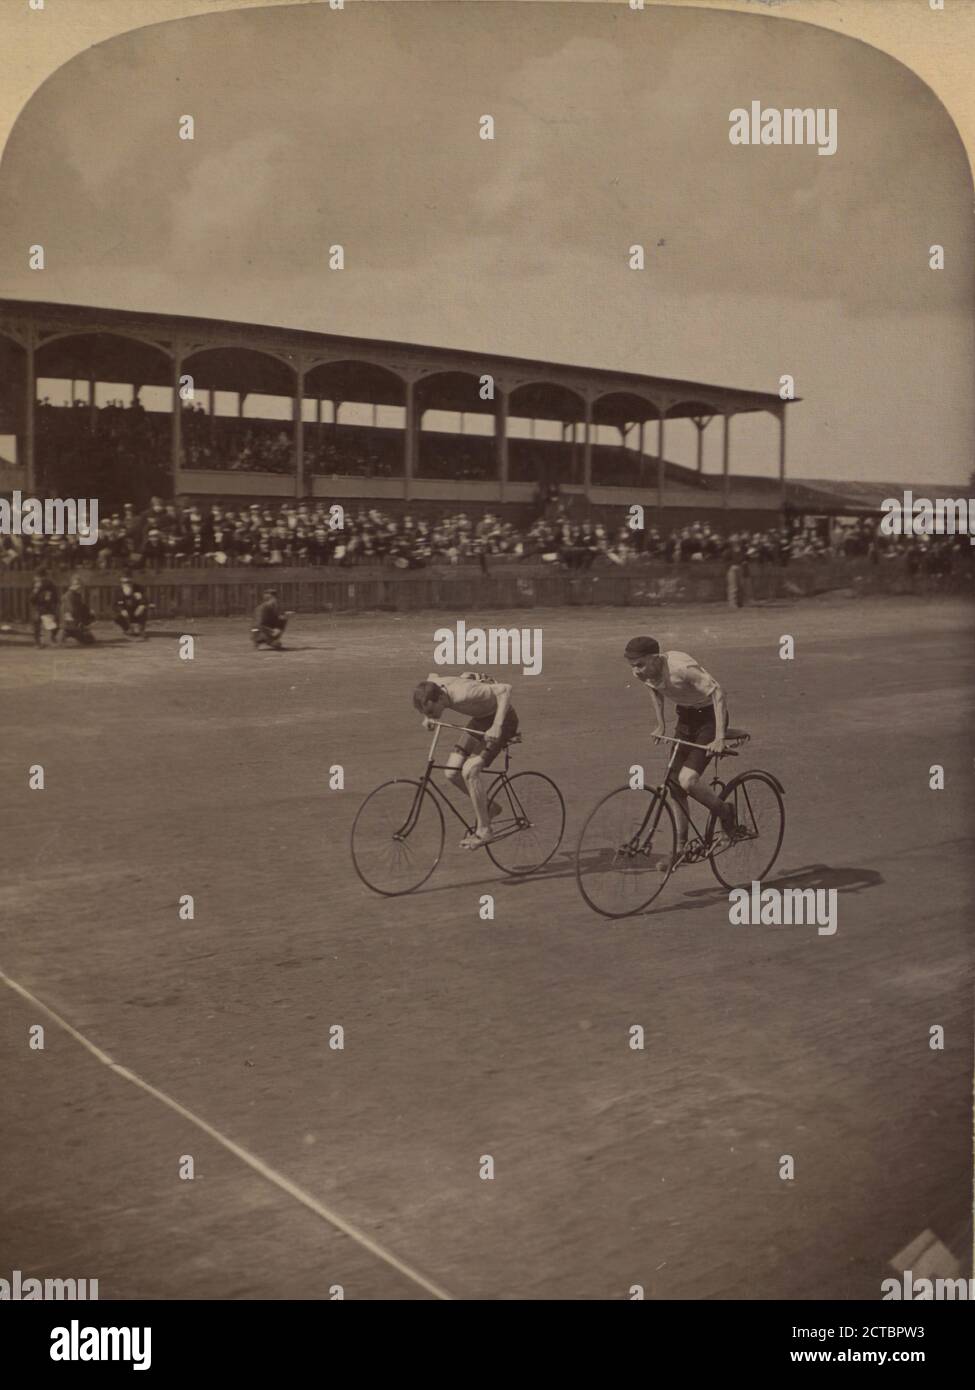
<point>844,880</point>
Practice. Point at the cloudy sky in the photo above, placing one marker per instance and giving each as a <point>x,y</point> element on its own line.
<point>360,126</point>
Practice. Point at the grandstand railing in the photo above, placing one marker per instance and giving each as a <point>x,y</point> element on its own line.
<point>463,589</point>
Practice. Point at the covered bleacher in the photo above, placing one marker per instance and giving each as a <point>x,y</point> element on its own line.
<point>284,413</point>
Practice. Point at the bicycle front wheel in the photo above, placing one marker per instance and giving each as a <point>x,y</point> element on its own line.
<point>397,838</point>
<point>760,813</point>
<point>529,821</point>
<point>626,851</point>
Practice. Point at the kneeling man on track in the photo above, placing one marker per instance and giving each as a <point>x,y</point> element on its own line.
<point>76,616</point>
<point>702,718</point>
<point>269,622</point>
<point>131,609</point>
<point>489,703</point>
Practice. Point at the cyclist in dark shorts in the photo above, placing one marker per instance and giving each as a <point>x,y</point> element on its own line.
<point>702,717</point>
<point>488,702</point>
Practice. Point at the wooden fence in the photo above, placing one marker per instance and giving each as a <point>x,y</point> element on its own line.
<point>211,593</point>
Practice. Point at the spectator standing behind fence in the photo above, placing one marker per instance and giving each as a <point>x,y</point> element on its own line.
<point>44,602</point>
<point>131,609</point>
<point>270,622</point>
<point>76,616</point>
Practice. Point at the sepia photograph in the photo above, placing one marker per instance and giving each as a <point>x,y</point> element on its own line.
<point>487,592</point>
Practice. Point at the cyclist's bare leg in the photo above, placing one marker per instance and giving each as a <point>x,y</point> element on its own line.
<point>453,774</point>
<point>456,775</point>
<point>478,794</point>
<point>678,800</point>
<point>692,785</point>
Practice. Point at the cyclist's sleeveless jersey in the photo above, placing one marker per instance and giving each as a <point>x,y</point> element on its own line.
<point>473,696</point>
<point>685,681</point>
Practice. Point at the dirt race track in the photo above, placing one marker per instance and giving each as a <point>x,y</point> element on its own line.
<point>463,1038</point>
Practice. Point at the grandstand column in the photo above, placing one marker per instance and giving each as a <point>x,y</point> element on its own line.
<point>409,442</point>
<point>501,441</point>
<point>660,460</point>
<point>587,452</point>
<point>781,414</point>
<point>643,424</point>
<point>30,403</point>
<point>725,458</point>
<point>299,431</point>
<point>701,423</point>
<point>176,461</point>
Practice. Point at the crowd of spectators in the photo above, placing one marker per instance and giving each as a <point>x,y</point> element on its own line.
<point>267,446</point>
<point>250,446</point>
<point>99,451</point>
<point>167,534</point>
<point>85,452</point>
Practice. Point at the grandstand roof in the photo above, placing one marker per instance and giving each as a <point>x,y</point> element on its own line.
<point>122,345</point>
<point>829,496</point>
<point>860,496</point>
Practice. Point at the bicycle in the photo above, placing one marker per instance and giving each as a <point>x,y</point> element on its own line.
<point>628,846</point>
<point>398,833</point>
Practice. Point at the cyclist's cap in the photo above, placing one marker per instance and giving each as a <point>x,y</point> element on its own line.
<point>637,647</point>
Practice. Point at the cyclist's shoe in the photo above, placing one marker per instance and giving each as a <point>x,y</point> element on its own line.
<point>472,840</point>
<point>680,857</point>
<point>730,833</point>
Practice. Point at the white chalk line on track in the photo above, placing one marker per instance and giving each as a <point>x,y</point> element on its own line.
<point>263,1169</point>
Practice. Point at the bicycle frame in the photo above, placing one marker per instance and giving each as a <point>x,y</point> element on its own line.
<point>427,783</point>
<point>663,792</point>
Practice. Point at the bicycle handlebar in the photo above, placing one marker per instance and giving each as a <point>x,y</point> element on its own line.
<point>462,728</point>
<point>442,724</point>
<point>665,738</point>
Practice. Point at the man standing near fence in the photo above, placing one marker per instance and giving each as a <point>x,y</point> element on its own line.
<point>44,603</point>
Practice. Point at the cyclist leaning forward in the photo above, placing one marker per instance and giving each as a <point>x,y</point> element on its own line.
<point>702,717</point>
<point>489,703</point>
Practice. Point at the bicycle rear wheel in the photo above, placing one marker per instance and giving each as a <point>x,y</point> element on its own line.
<point>626,851</point>
<point>760,811</point>
<point>397,838</point>
<point>530,818</point>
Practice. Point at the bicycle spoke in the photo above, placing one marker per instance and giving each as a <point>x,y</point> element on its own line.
<point>531,822</point>
<point>396,839</point>
<point>760,813</point>
<point>626,852</point>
